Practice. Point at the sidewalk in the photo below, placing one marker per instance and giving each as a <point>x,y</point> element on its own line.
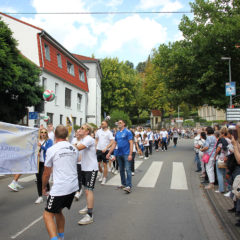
<point>221,204</point>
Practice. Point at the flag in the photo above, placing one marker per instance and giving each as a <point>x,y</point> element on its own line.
<point>70,127</point>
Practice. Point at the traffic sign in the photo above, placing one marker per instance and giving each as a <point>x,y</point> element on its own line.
<point>233,114</point>
<point>33,115</point>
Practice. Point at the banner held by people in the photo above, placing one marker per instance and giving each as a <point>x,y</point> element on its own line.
<point>18,149</point>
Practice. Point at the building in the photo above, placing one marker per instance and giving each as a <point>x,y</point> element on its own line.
<point>155,119</point>
<point>210,113</point>
<point>94,76</point>
<point>62,72</point>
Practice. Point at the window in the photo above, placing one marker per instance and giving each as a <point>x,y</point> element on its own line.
<point>156,120</point>
<point>61,119</point>
<point>56,93</point>
<point>59,60</point>
<point>81,76</point>
<point>44,83</point>
<point>50,117</point>
<point>67,97</point>
<point>79,102</point>
<point>80,121</point>
<point>74,120</point>
<point>70,68</point>
<point>47,52</point>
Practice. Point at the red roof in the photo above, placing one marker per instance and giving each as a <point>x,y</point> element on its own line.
<point>30,25</point>
<point>156,113</point>
<point>84,58</point>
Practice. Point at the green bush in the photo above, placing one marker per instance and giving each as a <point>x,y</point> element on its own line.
<point>119,115</point>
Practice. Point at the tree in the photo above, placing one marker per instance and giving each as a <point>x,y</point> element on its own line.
<point>141,67</point>
<point>19,79</point>
<point>119,115</point>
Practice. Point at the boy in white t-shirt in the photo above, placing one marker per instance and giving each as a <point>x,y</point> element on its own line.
<point>61,159</point>
<point>89,171</point>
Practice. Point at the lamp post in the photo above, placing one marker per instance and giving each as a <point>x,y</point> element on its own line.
<point>230,75</point>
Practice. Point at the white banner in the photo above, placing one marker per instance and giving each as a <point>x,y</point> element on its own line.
<point>18,149</point>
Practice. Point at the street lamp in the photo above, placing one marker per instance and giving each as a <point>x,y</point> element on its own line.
<point>230,75</point>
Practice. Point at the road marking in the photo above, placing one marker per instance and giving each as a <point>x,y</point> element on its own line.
<point>179,180</point>
<point>151,176</point>
<point>26,228</point>
<point>116,180</point>
<point>27,179</point>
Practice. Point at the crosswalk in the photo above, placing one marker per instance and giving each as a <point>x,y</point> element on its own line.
<point>150,177</point>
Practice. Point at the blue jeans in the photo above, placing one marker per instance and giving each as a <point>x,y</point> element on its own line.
<point>221,173</point>
<point>197,160</point>
<point>125,164</point>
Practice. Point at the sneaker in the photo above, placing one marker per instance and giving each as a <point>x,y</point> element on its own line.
<point>217,191</point>
<point>19,186</point>
<point>86,220</point>
<point>84,210</point>
<point>133,173</point>
<point>127,189</point>
<point>39,200</point>
<point>228,194</point>
<point>13,187</point>
<point>109,169</point>
<point>116,172</point>
<point>104,180</point>
<point>113,170</point>
<point>120,187</point>
<point>78,195</point>
<point>100,178</point>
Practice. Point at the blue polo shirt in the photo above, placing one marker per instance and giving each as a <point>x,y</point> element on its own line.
<point>122,138</point>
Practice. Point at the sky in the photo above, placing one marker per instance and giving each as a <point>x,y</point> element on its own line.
<point>127,36</point>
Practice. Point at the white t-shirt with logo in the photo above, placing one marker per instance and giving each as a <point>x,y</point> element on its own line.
<point>163,134</point>
<point>104,138</point>
<point>62,157</point>
<point>150,136</point>
<point>89,156</point>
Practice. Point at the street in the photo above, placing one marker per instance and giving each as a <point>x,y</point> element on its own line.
<point>166,203</point>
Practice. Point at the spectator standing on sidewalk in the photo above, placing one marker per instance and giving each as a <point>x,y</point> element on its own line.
<point>196,149</point>
<point>150,139</point>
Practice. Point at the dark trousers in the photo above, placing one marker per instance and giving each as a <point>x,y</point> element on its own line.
<point>150,146</point>
<point>115,164</point>
<point>146,149</point>
<point>39,179</point>
<point>156,142</point>
<point>164,144</point>
<point>79,172</point>
<point>175,141</point>
<point>133,162</point>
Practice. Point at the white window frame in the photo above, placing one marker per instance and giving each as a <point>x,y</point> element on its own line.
<point>47,52</point>
<point>70,100</point>
<point>59,60</point>
<point>70,68</point>
<point>79,103</point>
<point>81,75</point>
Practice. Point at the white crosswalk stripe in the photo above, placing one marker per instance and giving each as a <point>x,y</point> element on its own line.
<point>115,181</point>
<point>151,176</point>
<point>179,180</point>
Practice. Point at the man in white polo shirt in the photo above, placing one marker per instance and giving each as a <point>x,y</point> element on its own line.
<point>104,140</point>
<point>61,158</point>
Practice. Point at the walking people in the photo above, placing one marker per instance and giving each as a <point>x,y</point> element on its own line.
<point>164,137</point>
<point>156,137</point>
<point>135,150</point>
<point>146,146</point>
<point>150,138</point>
<point>75,142</point>
<point>175,137</point>
<point>104,140</point>
<point>124,141</point>
<point>89,171</point>
<point>61,158</point>
<point>44,143</point>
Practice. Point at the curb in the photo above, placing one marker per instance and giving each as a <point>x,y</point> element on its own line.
<point>229,228</point>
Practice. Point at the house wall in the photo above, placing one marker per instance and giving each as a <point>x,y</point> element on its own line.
<point>210,113</point>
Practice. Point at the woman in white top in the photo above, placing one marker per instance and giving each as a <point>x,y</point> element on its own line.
<point>146,145</point>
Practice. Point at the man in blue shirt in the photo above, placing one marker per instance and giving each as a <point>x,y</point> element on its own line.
<point>124,141</point>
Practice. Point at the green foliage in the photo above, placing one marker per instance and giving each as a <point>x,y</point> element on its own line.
<point>76,127</point>
<point>19,79</point>
<point>94,126</point>
<point>119,115</point>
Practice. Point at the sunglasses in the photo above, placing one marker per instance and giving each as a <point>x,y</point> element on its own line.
<point>43,132</point>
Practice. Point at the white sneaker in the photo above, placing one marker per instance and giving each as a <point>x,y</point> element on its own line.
<point>19,186</point>
<point>78,195</point>
<point>109,169</point>
<point>228,194</point>
<point>100,178</point>
<point>116,172</point>
<point>133,173</point>
<point>104,181</point>
<point>13,187</point>
<point>127,189</point>
<point>113,170</point>
<point>39,200</point>
<point>86,220</point>
<point>217,191</point>
<point>84,210</point>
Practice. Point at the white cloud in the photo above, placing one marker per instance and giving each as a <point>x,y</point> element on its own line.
<point>178,37</point>
<point>114,3</point>
<point>145,32</point>
<point>5,9</point>
<point>166,5</point>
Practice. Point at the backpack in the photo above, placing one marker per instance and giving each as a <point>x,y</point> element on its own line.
<point>236,188</point>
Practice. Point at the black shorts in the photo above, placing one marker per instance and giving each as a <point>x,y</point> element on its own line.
<point>101,157</point>
<point>56,203</point>
<point>89,179</point>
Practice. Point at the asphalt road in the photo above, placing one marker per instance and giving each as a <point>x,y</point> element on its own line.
<point>167,203</point>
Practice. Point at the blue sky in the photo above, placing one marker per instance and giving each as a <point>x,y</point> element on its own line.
<point>128,37</point>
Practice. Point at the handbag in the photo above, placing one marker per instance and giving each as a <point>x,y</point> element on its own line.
<point>221,163</point>
<point>206,156</point>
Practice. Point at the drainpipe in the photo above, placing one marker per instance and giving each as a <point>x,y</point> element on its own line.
<point>41,34</point>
